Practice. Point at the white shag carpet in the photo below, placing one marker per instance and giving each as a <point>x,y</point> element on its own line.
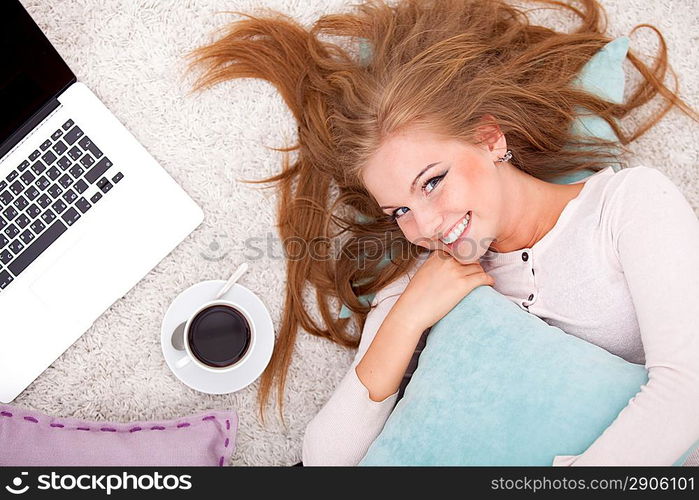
<point>130,53</point>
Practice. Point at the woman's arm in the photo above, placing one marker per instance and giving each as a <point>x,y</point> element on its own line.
<point>383,366</point>
<point>343,430</point>
<point>656,237</point>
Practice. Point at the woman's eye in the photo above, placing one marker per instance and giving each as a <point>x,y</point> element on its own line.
<point>429,182</point>
<point>395,215</point>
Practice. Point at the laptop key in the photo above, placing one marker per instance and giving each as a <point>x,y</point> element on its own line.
<point>48,157</point>
<point>73,135</point>
<point>59,206</point>
<point>16,246</point>
<point>11,231</point>
<point>60,148</point>
<point>3,225</point>
<point>76,171</point>
<point>69,196</point>
<point>104,186</point>
<point>3,241</point>
<point>35,155</point>
<point>20,202</point>
<point>55,191</point>
<point>75,153</point>
<point>10,213</point>
<point>80,186</point>
<point>87,144</point>
<point>48,216</point>
<point>45,145</point>
<point>16,187</point>
<point>27,236</point>
<point>65,181</point>
<point>64,163</point>
<point>5,279</point>
<point>42,183</point>
<point>95,197</point>
<point>96,171</point>
<point>38,167</point>
<point>22,166</point>
<point>33,211</point>
<point>6,197</point>
<point>45,200</point>
<point>5,256</point>
<point>27,177</point>
<point>119,176</point>
<point>13,175</point>
<point>58,133</point>
<point>37,226</point>
<point>53,173</point>
<point>67,125</point>
<point>22,221</point>
<point>70,216</point>
<point>3,185</point>
<point>87,160</point>
<point>32,192</point>
<point>83,205</point>
<point>38,246</point>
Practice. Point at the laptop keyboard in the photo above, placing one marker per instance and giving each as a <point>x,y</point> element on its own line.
<point>41,198</point>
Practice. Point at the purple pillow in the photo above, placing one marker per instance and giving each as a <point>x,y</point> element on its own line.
<point>30,438</point>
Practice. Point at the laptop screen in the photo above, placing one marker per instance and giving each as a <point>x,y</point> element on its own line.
<point>31,71</point>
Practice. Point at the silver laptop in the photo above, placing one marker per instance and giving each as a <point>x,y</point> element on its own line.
<point>85,211</point>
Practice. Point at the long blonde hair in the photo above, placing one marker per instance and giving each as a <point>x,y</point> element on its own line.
<point>441,65</point>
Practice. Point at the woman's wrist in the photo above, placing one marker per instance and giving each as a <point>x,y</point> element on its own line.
<point>405,315</point>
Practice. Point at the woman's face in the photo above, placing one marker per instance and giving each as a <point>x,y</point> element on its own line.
<point>453,178</point>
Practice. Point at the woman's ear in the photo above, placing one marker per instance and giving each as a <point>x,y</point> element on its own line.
<point>491,138</point>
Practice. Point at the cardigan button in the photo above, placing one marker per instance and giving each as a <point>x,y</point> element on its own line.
<point>525,256</point>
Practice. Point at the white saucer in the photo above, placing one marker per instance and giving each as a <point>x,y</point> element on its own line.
<point>242,375</point>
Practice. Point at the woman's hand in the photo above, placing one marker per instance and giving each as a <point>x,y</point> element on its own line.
<point>437,286</point>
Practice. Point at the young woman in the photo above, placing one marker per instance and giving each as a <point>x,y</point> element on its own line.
<point>439,148</point>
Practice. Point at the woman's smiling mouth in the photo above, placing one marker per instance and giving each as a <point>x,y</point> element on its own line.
<point>460,229</point>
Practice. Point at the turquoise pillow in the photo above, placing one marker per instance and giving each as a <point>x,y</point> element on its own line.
<point>602,75</point>
<point>504,389</point>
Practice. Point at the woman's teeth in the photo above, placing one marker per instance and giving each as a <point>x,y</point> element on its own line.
<point>457,231</point>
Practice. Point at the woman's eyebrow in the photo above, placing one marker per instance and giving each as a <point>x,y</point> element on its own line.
<point>412,186</point>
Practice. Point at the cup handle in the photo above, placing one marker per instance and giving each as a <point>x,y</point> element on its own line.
<point>183,361</point>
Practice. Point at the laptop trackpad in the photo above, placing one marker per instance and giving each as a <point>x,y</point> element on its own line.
<point>86,279</point>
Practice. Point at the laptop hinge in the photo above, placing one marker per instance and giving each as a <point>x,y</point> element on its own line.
<point>28,126</point>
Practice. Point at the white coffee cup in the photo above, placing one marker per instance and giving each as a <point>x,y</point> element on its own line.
<point>190,356</point>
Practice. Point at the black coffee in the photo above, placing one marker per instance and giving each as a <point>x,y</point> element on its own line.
<point>219,336</point>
